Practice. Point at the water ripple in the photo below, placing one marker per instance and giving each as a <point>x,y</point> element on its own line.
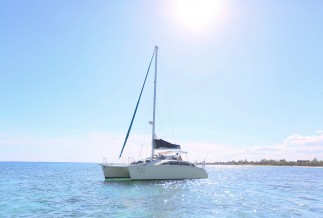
<point>78,190</point>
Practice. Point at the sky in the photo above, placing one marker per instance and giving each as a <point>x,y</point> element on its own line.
<point>236,79</point>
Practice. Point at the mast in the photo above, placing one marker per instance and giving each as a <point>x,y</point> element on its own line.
<point>154,108</point>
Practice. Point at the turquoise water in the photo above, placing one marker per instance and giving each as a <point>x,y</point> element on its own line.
<point>79,190</point>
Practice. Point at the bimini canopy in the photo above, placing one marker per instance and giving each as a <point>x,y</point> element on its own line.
<point>161,144</point>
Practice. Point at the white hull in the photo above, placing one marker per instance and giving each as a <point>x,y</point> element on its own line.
<point>114,171</point>
<point>155,172</point>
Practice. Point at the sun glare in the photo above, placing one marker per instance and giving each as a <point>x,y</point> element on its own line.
<point>196,14</point>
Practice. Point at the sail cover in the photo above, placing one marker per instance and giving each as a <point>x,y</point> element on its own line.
<point>161,144</point>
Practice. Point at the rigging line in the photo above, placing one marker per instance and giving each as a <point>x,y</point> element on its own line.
<point>134,114</point>
<point>166,91</point>
<point>179,110</point>
<point>170,114</point>
<point>144,139</point>
<point>140,151</point>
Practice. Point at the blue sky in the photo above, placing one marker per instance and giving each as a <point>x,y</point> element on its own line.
<point>245,82</point>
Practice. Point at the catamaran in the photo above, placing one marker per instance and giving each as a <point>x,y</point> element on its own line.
<point>166,160</point>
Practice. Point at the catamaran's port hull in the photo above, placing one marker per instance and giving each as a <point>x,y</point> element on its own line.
<point>165,172</point>
<point>112,171</point>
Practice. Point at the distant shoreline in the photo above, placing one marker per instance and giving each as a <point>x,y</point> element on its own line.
<point>259,165</point>
<point>264,162</point>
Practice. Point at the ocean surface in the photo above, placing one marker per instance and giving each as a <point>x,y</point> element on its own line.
<point>79,190</point>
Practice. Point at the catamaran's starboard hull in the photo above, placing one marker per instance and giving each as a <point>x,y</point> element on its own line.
<point>159,172</point>
<point>112,171</point>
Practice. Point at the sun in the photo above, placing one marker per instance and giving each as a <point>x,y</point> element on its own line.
<point>196,14</point>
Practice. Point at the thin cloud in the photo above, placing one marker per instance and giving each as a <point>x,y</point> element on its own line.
<point>298,139</point>
<point>93,146</point>
<point>294,147</point>
<point>88,147</point>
